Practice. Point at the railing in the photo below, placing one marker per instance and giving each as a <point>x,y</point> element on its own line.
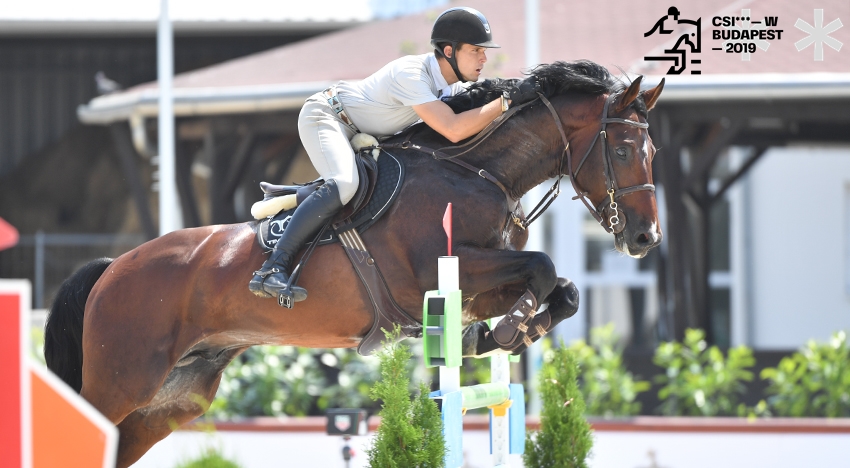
<point>47,259</point>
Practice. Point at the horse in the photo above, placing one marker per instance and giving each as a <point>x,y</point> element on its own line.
<point>142,336</point>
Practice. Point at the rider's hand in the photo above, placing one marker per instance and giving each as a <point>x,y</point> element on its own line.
<point>524,91</point>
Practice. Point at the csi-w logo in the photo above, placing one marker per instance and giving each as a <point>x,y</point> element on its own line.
<point>689,32</point>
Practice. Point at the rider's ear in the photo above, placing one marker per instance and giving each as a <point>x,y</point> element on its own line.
<point>651,96</point>
<point>628,97</point>
<point>447,51</point>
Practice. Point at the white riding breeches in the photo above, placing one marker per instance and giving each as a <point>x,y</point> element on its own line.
<point>327,141</point>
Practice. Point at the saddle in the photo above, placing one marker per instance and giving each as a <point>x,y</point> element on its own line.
<point>380,184</point>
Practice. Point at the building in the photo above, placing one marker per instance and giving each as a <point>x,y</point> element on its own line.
<point>752,167</point>
<point>59,176</point>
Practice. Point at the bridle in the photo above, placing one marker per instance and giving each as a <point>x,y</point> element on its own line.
<point>613,190</point>
<point>615,225</point>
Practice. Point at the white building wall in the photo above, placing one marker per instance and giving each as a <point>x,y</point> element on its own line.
<point>566,247</point>
<point>798,203</point>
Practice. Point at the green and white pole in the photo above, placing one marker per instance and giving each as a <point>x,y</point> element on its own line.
<point>448,283</point>
<point>442,340</point>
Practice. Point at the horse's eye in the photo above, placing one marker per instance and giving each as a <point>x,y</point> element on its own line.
<point>621,152</point>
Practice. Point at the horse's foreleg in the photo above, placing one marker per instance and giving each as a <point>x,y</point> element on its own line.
<point>476,339</point>
<point>560,304</point>
<point>487,269</point>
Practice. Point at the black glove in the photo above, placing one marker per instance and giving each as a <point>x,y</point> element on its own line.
<point>524,91</point>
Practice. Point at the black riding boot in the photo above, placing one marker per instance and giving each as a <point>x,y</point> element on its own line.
<point>272,278</point>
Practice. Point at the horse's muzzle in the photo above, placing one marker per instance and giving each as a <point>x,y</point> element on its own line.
<point>638,242</point>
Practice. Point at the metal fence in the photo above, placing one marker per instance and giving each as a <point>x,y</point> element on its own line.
<point>48,259</point>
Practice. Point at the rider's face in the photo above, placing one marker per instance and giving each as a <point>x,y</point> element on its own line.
<point>471,60</point>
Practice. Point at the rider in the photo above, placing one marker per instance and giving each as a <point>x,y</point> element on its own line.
<point>404,91</point>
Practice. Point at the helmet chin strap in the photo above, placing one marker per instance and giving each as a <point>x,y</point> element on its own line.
<point>453,62</point>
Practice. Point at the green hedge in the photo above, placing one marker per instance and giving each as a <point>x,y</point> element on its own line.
<point>814,381</point>
<point>697,380</point>
<point>702,380</point>
<point>285,380</point>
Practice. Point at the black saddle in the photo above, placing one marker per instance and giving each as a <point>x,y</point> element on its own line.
<point>380,183</point>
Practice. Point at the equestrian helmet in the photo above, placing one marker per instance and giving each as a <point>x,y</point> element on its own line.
<point>461,25</point>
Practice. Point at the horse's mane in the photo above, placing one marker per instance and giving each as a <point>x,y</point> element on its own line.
<point>581,76</point>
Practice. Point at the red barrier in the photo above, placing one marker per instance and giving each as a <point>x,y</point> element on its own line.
<point>49,424</point>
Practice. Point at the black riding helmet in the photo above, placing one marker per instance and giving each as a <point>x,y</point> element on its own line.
<point>461,25</point>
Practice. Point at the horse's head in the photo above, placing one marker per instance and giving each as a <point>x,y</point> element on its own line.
<point>615,170</point>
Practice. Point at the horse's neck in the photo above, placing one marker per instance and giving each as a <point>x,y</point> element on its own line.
<point>526,151</point>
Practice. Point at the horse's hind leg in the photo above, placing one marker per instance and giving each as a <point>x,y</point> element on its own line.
<point>186,394</point>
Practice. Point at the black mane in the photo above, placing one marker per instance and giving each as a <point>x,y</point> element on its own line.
<point>581,76</point>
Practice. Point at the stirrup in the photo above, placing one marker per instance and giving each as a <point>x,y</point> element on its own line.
<point>285,298</point>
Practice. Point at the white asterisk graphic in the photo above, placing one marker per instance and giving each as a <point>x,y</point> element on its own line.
<point>818,34</point>
<point>747,25</point>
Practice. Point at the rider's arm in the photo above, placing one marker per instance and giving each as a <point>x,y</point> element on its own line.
<point>456,127</point>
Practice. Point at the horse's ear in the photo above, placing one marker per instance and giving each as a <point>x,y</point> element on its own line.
<point>651,96</point>
<point>629,96</point>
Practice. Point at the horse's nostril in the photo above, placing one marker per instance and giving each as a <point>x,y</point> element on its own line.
<point>642,239</point>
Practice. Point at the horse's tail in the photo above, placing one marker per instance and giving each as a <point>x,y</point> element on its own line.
<point>63,332</point>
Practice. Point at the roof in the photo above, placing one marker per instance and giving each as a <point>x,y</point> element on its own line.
<point>187,10</point>
<point>609,32</point>
<point>39,17</point>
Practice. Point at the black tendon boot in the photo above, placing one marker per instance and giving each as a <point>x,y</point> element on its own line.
<point>272,278</point>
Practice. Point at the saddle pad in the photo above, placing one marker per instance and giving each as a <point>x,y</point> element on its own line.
<point>387,188</point>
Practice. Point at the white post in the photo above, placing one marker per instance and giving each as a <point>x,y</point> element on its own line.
<point>170,214</point>
<point>448,280</point>
<point>500,372</point>
<point>535,235</point>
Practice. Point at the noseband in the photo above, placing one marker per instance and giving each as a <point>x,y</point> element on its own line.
<point>615,225</point>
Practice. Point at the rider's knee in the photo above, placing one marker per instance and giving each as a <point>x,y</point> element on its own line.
<point>347,188</point>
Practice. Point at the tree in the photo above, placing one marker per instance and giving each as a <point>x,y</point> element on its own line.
<point>411,432</point>
<point>564,439</point>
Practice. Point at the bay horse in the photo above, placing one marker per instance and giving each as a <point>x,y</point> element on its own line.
<point>142,336</point>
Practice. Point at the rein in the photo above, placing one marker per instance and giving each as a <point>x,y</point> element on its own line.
<point>613,191</point>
